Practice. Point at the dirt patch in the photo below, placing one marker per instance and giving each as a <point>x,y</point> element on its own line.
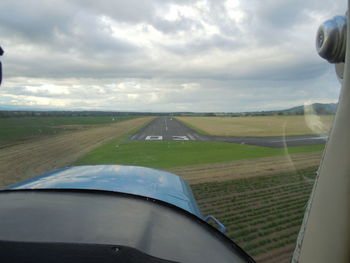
<point>247,168</point>
<point>24,161</point>
<point>76,126</point>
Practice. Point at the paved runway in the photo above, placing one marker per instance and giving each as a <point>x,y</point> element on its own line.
<point>170,129</point>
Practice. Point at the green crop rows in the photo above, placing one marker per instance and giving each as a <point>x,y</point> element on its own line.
<point>260,213</point>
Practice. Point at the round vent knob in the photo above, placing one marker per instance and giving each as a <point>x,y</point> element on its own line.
<point>331,39</point>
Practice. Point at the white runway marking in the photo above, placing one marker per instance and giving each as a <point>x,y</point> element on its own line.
<point>199,138</point>
<point>191,137</point>
<point>180,138</point>
<point>166,125</point>
<point>136,136</point>
<point>154,138</point>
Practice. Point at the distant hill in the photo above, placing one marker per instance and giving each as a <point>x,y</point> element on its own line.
<point>316,108</point>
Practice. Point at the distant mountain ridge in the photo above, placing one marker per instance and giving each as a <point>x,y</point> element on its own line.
<point>316,108</point>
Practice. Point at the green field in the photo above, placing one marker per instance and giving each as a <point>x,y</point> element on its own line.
<point>17,129</point>
<point>164,154</point>
<point>260,213</point>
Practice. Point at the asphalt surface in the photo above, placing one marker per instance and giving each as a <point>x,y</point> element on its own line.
<point>170,129</point>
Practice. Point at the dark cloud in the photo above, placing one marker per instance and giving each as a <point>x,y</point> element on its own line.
<point>204,45</point>
<point>36,21</point>
<point>131,11</point>
<point>280,14</point>
<point>173,27</point>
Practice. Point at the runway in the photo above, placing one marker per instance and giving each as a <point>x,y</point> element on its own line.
<point>170,129</point>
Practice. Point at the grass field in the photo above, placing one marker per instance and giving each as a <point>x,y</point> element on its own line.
<point>163,154</point>
<point>262,214</point>
<point>19,129</point>
<point>261,125</point>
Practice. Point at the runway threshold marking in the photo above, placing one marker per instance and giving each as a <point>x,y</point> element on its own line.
<point>180,138</point>
<point>154,138</point>
<point>191,137</point>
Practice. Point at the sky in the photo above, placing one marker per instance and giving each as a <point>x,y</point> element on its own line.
<point>164,55</point>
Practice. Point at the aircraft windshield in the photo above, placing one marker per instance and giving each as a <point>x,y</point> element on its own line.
<point>229,95</point>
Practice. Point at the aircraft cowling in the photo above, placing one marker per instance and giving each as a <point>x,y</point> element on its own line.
<point>135,180</point>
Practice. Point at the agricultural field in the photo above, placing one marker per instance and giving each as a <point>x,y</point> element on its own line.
<point>35,157</point>
<point>246,168</point>
<point>261,125</point>
<point>262,214</point>
<point>19,129</point>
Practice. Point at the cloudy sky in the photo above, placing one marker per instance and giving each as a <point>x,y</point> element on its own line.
<point>164,55</point>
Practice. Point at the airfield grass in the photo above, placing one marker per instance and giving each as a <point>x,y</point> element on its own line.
<point>17,129</point>
<point>170,154</point>
<point>261,125</point>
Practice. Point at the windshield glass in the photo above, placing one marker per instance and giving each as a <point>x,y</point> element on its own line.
<point>229,95</point>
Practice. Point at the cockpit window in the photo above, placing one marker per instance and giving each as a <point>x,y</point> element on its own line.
<point>229,95</point>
